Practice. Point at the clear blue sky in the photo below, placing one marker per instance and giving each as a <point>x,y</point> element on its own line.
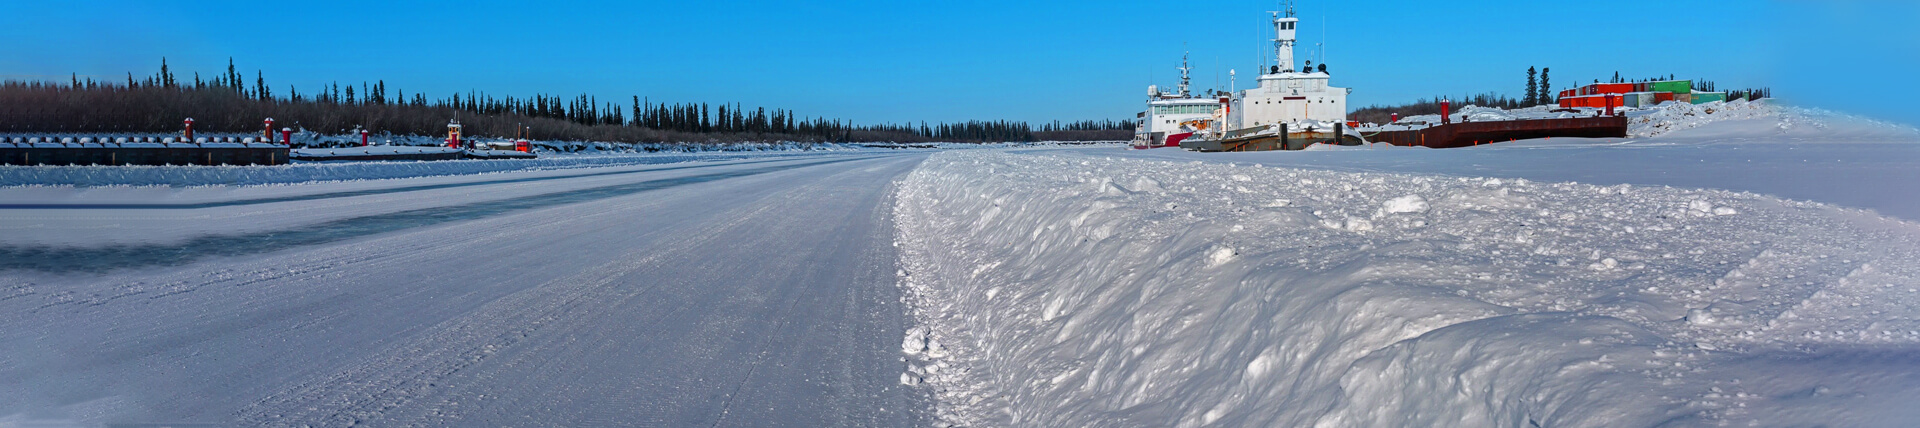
<point>893,61</point>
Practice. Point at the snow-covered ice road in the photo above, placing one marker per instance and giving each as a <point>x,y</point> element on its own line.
<point>731,294</point>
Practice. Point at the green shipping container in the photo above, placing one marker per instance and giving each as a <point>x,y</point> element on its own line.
<point>1674,86</point>
<point>1707,97</point>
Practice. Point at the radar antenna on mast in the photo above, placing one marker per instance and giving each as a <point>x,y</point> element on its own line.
<point>1183,74</point>
<point>1283,39</point>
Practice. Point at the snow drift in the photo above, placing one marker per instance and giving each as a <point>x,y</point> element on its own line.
<point>1061,290</point>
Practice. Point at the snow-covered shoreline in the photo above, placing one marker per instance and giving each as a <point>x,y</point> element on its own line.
<point>1071,290</point>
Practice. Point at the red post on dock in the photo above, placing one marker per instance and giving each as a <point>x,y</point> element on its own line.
<point>363,138</point>
<point>1446,115</point>
<point>286,136</point>
<point>189,132</point>
<point>266,134</point>
<point>1396,118</point>
<point>1609,104</point>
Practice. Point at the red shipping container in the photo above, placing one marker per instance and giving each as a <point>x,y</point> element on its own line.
<point>1613,88</point>
<point>1661,97</point>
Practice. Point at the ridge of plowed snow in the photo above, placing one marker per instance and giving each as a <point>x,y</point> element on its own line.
<point>1078,291</point>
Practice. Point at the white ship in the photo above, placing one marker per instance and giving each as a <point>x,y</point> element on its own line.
<point>1172,117</point>
<point>1288,95</point>
<point>1291,107</point>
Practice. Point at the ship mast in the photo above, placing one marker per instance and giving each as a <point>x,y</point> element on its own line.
<point>1183,75</point>
<point>1283,38</point>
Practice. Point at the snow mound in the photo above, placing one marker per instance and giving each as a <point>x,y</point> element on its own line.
<point>1673,116</point>
<point>1328,298</point>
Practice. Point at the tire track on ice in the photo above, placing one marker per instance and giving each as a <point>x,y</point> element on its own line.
<point>390,385</point>
<point>369,192</point>
<point>119,257</point>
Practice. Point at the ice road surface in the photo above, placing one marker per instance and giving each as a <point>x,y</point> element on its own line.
<point>749,293</point>
<point>1095,288</point>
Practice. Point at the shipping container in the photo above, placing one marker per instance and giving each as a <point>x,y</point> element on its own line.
<point>1661,97</point>
<point>1637,99</point>
<point>1613,88</point>
<point>1674,86</point>
<point>1685,98</point>
<point>1707,97</point>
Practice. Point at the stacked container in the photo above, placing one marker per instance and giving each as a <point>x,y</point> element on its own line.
<point>1674,86</point>
<point>1639,99</point>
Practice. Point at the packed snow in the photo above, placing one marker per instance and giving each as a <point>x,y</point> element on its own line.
<point>755,292</point>
<point>1078,290</point>
<point>1729,264</point>
<point>1791,152</point>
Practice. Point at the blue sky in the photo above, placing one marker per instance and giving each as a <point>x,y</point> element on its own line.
<point>896,61</point>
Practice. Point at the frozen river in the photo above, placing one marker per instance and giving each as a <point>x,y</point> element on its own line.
<point>736,293</point>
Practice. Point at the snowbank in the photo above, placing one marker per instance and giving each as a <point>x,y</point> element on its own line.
<point>1073,291</point>
<point>1674,116</point>
<point>373,150</point>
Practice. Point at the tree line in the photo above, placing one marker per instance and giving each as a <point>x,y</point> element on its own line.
<point>230,103</point>
<point>1385,113</point>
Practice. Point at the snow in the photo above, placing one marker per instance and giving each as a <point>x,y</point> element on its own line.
<point>755,292</point>
<point>69,217</point>
<point>1785,151</point>
<point>1642,122</point>
<point>1731,264</point>
<point>1372,299</point>
<point>371,150</point>
<point>235,175</point>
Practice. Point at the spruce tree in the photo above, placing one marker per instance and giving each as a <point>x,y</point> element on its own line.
<point>260,85</point>
<point>166,76</point>
<point>1547,96</point>
<point>1533,88</point>
<point>233,76</point>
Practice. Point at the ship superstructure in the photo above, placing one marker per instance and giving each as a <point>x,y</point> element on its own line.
<point>1288,95</point>
<point>1291,99</point>
<point>1172,117</point>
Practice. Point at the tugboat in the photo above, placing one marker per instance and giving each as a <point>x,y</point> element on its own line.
<point>1171,118</point>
